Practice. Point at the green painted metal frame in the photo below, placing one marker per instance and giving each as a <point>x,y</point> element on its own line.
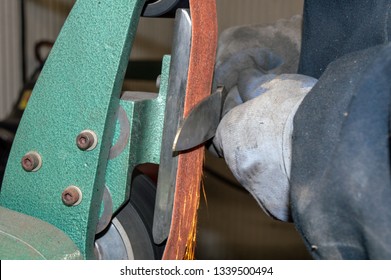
<point>145,114</point>
<point>79,88</point>
<point>24,237</point>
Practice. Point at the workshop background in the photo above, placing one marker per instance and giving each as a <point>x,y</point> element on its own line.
<point>231,225</point>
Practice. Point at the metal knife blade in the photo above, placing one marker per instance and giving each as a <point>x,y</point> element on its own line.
<point>202,122</point>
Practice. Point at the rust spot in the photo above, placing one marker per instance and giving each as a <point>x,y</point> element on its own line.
<point>71,196</point>
<point>31,161</point>
<point>86,140</point>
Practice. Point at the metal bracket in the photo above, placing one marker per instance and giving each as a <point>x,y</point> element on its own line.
<point>138,136</point>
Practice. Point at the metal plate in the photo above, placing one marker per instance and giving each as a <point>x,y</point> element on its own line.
<point>173,116</point>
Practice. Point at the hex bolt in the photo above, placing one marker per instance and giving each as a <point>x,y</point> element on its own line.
<point>31,162</point>
<point>86,140</point>
<point>71,196</point>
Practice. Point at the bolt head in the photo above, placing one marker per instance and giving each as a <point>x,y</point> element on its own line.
<point>31,162</point>
<point>158,81</point>
<point>71,196</point>
<point>86,140</point>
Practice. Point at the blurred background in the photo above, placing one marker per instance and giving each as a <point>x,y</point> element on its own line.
<point>231,225</point>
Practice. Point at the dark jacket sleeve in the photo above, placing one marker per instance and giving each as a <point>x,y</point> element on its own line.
<point>333,28</point>
<point>340,176</point>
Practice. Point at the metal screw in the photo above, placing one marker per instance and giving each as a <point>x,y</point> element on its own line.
<point>71,196</point>
<point>86,140</point>
<point>31,162</point>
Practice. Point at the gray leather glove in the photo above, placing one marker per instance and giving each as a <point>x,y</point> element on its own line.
<point>254,136</point>
<point>255,140</point>
<point>247,53</point>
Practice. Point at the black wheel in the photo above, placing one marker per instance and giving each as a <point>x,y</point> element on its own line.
<point>130,233</point>
<point>164,8</point>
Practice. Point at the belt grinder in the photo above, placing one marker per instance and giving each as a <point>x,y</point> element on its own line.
<point>67,185</point>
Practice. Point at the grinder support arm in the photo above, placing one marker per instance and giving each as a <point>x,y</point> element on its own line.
<point>58,167</point>
<point>78,91</point>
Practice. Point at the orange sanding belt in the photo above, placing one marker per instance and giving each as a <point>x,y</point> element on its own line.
<point>190,164</point>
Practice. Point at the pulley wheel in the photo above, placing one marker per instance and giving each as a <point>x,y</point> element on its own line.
<point>130,234</point>
<point>163,8</point>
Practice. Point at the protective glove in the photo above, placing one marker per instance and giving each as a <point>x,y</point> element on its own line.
<point>248,53</point>
<point>255,140</point>
<point>254,136</point>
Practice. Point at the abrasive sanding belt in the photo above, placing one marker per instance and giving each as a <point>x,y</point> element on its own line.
<point>189,173</point>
